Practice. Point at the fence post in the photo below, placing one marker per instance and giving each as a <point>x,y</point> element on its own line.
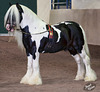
<point>58,4</point>
<point>51,4</point>
<point>66,4</point>
<point>70,4</point>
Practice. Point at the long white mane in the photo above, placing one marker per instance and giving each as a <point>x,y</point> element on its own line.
<point>14,11</point>
<point>9,15</point>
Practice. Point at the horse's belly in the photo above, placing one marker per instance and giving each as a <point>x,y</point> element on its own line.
<point>52,48</point>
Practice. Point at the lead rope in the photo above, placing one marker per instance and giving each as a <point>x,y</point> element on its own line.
<point>33,33</point>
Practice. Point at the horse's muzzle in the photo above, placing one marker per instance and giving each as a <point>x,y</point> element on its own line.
<point>10,28</point>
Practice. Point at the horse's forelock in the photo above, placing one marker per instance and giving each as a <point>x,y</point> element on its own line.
<point>12,15</point>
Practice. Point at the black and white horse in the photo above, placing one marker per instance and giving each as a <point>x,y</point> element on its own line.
<point>36,37</point>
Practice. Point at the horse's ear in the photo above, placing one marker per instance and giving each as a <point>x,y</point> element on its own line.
<point>19,8</point>
<point>10,4</point>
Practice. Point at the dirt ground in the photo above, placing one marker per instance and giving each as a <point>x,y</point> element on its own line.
<point>57,70</point>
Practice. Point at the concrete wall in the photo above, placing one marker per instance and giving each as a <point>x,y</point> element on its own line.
<point>89,20</point>
<point>85,4</point>
<point>43,9</point>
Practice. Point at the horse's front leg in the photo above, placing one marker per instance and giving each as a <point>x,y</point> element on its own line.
<point>28,74</point>
<point>35,78</point>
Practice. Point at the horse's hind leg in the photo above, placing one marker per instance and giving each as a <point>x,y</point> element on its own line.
<point>81,70</point>
<point>90,74</point>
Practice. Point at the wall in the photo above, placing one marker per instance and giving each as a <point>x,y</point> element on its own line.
<point>43,9</point>
<point>89,20</point>
<point>85,4</point>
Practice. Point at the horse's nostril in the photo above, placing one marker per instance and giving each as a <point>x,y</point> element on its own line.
<point>8,27</point>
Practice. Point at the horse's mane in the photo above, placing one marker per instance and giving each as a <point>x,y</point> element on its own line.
<point>13,11</point>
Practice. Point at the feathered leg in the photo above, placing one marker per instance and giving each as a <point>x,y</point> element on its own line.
<point>29,72</point>
<point>81,69</point>
<point>35,78</point>
<point>90,73</point>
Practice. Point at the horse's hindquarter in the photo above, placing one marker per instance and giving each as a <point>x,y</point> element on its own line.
<point>72,34</point>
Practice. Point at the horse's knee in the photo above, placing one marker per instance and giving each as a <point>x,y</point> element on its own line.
<point>77,58</point>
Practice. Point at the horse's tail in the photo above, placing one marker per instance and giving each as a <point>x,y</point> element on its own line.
<point>85,42</point>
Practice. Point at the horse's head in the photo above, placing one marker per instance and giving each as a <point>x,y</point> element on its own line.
<point>13,17</point>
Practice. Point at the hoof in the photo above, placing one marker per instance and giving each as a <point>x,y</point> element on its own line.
<point>79,78</point>
<point>35,81</point>
<point>87,78</point>
<point>24,80</point>
<point>91,76</point>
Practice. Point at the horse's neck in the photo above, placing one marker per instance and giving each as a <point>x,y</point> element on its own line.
<point>34,22</point>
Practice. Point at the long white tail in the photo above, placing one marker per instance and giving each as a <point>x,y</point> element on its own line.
<point>85,42</point>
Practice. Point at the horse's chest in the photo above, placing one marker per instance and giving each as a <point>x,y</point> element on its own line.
<point>29,45</point>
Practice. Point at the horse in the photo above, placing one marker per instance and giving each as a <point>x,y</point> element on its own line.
<point>36,36</point>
